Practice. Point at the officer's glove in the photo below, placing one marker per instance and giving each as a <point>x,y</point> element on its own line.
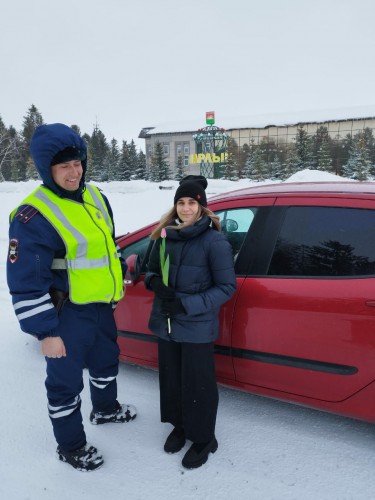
<point>161,291</point>
<point>172,307</point>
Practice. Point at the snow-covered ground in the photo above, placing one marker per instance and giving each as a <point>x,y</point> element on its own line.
<point>267,449</point>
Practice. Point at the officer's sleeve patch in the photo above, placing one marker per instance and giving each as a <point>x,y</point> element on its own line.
<point>26,214</point>
<point>13,250</point>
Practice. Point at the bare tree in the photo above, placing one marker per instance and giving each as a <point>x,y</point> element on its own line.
<point>9,150</point>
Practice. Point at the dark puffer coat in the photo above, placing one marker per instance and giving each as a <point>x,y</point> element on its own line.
<point>202,274</point>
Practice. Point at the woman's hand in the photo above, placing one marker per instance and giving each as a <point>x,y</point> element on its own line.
<point>172,307</point>
<point>53,347</point>
<point>162,291</point>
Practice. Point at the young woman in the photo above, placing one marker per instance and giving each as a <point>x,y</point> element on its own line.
<point>185,317</point>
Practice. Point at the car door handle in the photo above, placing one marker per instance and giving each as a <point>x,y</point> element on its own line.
<point>370,303</point>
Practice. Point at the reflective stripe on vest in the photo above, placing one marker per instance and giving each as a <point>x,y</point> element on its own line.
<point>91,259</point>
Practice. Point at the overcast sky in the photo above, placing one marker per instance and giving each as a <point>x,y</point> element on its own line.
<point>129,64</point>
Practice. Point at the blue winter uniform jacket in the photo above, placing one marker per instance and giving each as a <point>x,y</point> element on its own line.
<point>34,243</point>
<point>202,274</point>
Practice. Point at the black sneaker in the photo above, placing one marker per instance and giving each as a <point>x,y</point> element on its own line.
<point>122,413</point>
<point>85,459</point>
<point>197,454</point>
<point>175,441</point>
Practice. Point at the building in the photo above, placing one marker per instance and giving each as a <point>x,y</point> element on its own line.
<point>278,129</point>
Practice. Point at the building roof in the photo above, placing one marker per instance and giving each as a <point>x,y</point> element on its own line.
<point>265,121</point>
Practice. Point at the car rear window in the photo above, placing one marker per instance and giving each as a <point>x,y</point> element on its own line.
<point>325,241</point>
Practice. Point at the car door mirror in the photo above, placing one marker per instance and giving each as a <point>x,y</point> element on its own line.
<point>229,226</point>
<point>134,269</point>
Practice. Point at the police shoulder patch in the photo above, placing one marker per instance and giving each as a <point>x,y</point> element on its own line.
<point>13,250</point>
<point>26,213</point>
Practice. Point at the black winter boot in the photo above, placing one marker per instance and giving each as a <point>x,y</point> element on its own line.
<point>122,413</point>
<point>86,459</point>
<point>175,441</point>
<point>197,454</point>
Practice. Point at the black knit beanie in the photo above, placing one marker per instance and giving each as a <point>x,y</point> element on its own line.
<point>192,186</point>
<point>68,154</point>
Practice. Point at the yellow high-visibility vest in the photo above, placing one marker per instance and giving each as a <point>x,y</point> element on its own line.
<point>91,258</point>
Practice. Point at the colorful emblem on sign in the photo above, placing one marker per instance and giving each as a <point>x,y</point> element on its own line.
<point>13,250</point>
<point>210,117</point>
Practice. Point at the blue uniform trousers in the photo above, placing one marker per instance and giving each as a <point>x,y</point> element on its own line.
<point>90,337</point>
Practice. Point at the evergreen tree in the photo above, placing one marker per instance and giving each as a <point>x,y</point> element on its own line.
<point>159,165</point>
<point>76,129</point>
<point>255,166</point>
<point>31,121</point>
<point>324,160</point>
<point>124,168</point>
<point>242,158</point>
<point>230,168</point>
<point>112,161</point>
<point>97,169</point>
<point>344,148</point>
<point>359,165</point>
<point>293,162</point>
<point>141,171</point>
<point>268,149</point>
<point>303,150</point>
<point>275,169</point>
<point>369,140</point>
<point>322,146</point>
<point>133,158</point>
<point>179,168</point>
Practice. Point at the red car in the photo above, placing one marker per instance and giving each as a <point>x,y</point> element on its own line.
<point>301,325</point>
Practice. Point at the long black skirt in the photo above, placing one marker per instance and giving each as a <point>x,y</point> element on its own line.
<point>188,390</point>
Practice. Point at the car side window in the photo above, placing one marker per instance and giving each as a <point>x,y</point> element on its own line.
<point>325,241</point>
<point>140,248</point>
<point>235,224</point>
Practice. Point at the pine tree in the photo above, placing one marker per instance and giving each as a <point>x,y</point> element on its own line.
<point>230,168</point>
<point>76,129</point>
<point>141,171</point>
<point>159,165</point>
<point>324,157</point>
<point>359,165</point>
<point>112,161</point>
<point>124,168</point>
<point>369,140</point>
<point>132,158</point>
<point>303,150</point>
<point>31,121</point>
<point>243,156</point>
<point>179,168</point>
<point>275,169</point>
<point>255,166</point>
<point>293,162</point>
<point>97,168</point>
<point>322,150</point>
<point>344,147</point>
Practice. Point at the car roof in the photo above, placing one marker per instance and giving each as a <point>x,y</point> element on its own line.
<point>293,188</point>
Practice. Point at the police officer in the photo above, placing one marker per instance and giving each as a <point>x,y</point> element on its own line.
<point>64,275</point>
